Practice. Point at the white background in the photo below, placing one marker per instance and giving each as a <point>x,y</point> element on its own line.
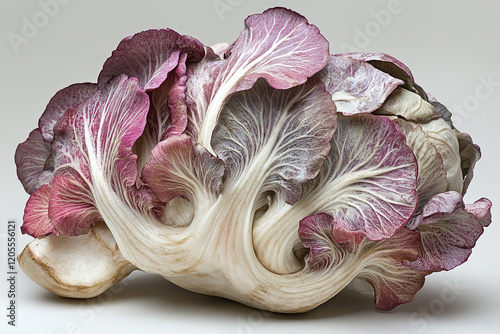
<point>452,48</point>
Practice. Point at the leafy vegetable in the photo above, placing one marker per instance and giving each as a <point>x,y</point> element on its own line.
<point>266,171</point>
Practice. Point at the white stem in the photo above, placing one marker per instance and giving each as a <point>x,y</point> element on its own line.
<point>218,257</point>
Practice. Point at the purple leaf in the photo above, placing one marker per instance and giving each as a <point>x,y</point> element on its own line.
<point>278,45</point>
<point>149,56</point>
<point>36,221</point>
<point>332,246</point>
<point>391,66</point>
<point>327,242</point>
<point>64,100</point>
<point>448,230</point>
<point>92,149</point>
<point>393,282</point>
<point>71,205</point>
<point>281,137</point>
<point>167,114</point>
<point>179,167</point>
<point>102,131</point>
<point>481,209</point>
<point>30,158</point>
<point>355,85</point>
<point>368,181</point>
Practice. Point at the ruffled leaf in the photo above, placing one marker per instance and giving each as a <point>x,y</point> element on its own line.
<point>448,231</point>
<point>391,66</point>
<point>278,137</point>
<point>93,152</point>
<point>331,246</point>
<point>328,244</point>
<point>36,221</point>
<point>278,45</point>
<point>179,167</point>
<point>393,282</point>
<point>368,181</point>
<point>149,56</point>
<point>481,209</point>
<point>355,85</point>
<point>167,114</point>
<point>101,132</point>
<point>71,205</point>
<point>30,158</point>
<point>64,100</point>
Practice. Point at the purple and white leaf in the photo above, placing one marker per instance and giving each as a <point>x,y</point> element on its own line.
<point>36,221</point>
<point>391,66</point>
<point>30,158</point>
<point>64,100</point>
<point>355,85</point>
<point>278,138</point>
<point>331,245</point>
<point>92,152</point>
<point>393,282</point>
<point>149,56</point>
<point>181,168</point>
<point>278,45</point>
<point>448,231</point>
<point>167,114</point>
<point>369,179</point>
<point>481,209</point>
<point>71,205</point>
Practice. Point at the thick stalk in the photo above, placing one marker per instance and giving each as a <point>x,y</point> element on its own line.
<point>218,257</point>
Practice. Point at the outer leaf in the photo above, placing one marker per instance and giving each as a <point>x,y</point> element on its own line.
<point>92,145</point>
<point>278,45</point>
<point>30,158</point>
<point>393,282</point>
<point>328,245</point>
<point>368,182</point>
<point>448,231</point>
<point>167,113</point>
<point>64,100</point>
<point>277,137</point>
<point>178,167</point>
<point>355,85</point>
<point>408,105</point>
<point>432,175</point>
<point>445,140</point>
<point>149,56</point>
<point>469,155</point>
<point>391,66</point>
<point>71,205</point>
<point>102,130</point>
<point>332,246</point>
<point>36,219</point>
<point>481,209</point>
<point>443,112</point>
